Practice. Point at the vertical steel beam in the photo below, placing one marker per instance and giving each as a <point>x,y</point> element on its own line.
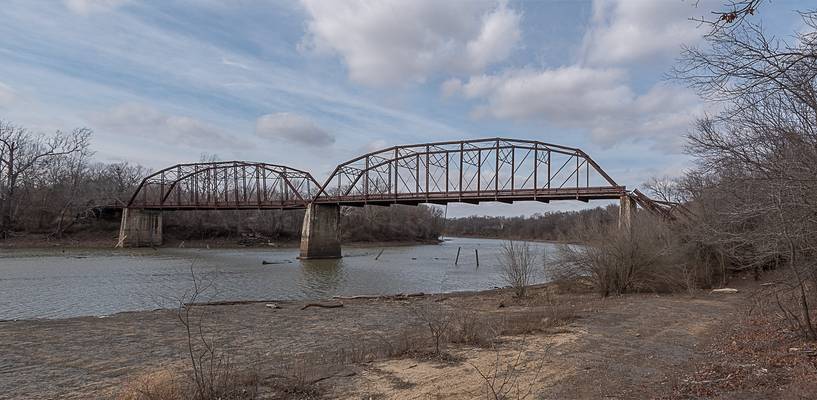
<point>447,162</point>
<point>258,184</point>
<point>178,190</point>
<point>513,167</point>
<point>428,166</point>
<point>417,174</point>
<point>479,170</point>
<point>366,180</point>
<point>284,186</point>
<point>496,172</point>
<point>550,158</point>
<point>461,154</point>
<point>535,169</point>
<point>235,184</point>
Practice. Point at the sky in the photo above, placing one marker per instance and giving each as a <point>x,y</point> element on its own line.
<point>313,83</point>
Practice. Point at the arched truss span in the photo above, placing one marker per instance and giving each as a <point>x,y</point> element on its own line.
<point>469,171</point>
<point>225,185</point>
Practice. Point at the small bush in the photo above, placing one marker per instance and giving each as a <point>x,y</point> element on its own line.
<point>518,266</point>
<point>472,328</point>
<point>167,384</point>
<point>648,257</point>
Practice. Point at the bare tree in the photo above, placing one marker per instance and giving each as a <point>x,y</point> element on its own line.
<point>754,186</point>
<point>519,266</point>
<point>730,15</point>
<point>23,154</point>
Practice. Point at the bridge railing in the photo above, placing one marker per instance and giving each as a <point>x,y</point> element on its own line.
<point>494,169</point>
<point>225,185</point>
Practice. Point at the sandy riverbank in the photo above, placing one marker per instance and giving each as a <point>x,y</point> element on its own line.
<point>637,346</point>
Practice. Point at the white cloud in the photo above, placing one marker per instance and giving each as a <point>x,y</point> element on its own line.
<point>292,128</point>
<point>625,31</point>
<point>400,42</point>
<point>599,100</point>
<point>7,95</point>
<point>145,120</point>
<point>85,7</point>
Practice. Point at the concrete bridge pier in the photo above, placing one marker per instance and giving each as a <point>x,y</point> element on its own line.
<point>140,228</point>
<point>625,212</point>
<point>320,235</point>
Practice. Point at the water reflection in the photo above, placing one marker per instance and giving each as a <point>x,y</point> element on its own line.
<point>53,284</point>
<point>322,277</point>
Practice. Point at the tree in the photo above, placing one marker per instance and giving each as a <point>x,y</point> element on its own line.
<point>23,154</point>
<point>756,180</point>
<point>518,266</point>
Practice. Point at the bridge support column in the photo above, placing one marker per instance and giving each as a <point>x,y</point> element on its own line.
<point>625,212</point>
<point>320,235</point>
<point>140,228</point>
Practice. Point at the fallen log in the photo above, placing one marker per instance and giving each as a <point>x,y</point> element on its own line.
<point>358,297</point>
<point>322,305</point>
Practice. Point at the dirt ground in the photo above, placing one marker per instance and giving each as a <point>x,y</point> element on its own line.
<point>635,346</point>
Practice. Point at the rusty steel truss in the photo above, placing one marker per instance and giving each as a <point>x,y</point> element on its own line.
<point>470,171</point>
<point>225,185</point>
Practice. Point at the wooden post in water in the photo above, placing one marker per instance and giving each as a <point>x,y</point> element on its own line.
<point>458,255</point>
<point>476,253</point>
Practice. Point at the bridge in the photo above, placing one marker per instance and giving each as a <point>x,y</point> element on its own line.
<point>470,171</point>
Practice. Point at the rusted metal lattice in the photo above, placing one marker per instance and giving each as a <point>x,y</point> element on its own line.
<point>225,185</point>
<point>470,171</point>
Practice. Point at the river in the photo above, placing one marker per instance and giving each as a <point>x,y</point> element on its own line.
<point>56,283</point>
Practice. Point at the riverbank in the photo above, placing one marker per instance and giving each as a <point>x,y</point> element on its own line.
<point>637,346</point>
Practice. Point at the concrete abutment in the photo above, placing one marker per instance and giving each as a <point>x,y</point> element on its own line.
<point>626,211</point>
<point>140,228</point>
<point>320,235</point>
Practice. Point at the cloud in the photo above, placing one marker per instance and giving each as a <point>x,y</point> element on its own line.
<point>599,100</point>
<point>7,95</point>
<point>292,128</point>
<point>401,42</point>
<point>636,30</point>
<point>85,7</point>
<point>145,120</point>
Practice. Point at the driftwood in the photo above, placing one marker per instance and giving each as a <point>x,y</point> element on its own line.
<point>379,297</point>
<point>265,262</point>
<point>359,297</point>
<point>322,305</point>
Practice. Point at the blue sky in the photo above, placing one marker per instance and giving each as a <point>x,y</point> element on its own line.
<point>313,83</point>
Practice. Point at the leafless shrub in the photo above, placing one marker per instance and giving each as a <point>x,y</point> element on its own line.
<point>438,322</point>
<point>507,378</point>
<point>212,374</point>
<point>518,265</point>
<point>472,328</point>
<point>648,257</point>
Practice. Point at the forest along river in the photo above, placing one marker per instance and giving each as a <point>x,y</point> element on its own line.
<point>57,283</point>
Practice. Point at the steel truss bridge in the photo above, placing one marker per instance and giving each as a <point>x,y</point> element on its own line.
<point>469,171</point>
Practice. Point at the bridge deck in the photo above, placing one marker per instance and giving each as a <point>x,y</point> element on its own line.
<point>474,197</point>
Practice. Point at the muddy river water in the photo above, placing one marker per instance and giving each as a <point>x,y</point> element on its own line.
<point>56,283</point>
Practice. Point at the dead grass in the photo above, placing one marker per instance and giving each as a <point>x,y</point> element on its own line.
<point>172,384</point>
<point>759,357</point>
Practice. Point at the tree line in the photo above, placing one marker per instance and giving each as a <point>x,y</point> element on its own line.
<point>550,226</point>
<point>50,186</point>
